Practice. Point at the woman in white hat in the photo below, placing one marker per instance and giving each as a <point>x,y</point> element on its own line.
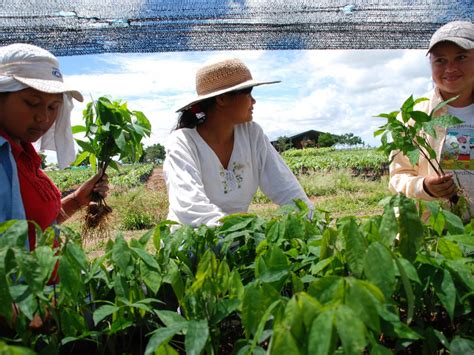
<point>217,157</point>
<point>451,55</point>
<point>35,105</point>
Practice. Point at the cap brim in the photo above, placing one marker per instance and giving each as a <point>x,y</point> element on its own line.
<point>464,43</point>
<point>50,87</point>
<point>241,86</point>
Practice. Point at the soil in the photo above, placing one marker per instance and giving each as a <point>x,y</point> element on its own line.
<point>156,181</point>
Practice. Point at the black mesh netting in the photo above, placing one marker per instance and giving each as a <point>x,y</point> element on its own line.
<point>68,27</point>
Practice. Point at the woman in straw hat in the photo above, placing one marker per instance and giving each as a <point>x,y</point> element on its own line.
<point>35,105</point>
<point>217,157</point>
<point>451,55</point>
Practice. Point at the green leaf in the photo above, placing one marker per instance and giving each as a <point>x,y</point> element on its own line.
<point>355,247</point>
<point>361,300</point>
<point>257,298</point>
<point>196,336</point>
<point>163,335</point>
<point>70,277</point>
<point>449,249</point>
<point>461,346</point>
<point>453,222</point>
<point>420,116</point>
<point>78,129</point>
<point>273,267</point>
<point>170,317</point>
<point>80,158</point>
<point>447,121</point>
<point>86,147</point>
<point>442,104</point>
<point>445,290</point>
<point>410,228</point>
<point>351,330</point>
<point>103,312</point>
<point>147,258</point>
<point>383,275</point>
<point>413,156</point>
<point>408,290</point>
<point>389,225</point>
<point>329,289</point>
<point>321,337</point>
<point>121,253</point>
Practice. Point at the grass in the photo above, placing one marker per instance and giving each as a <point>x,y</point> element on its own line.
<point>140,208</point>
<point>336,192</point>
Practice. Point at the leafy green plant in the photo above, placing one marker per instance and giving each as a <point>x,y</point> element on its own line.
<point>111,131</point>
<point>282,284</point>
<point>408,129</point>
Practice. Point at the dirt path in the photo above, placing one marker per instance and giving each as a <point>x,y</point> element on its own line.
<point>156,181</point>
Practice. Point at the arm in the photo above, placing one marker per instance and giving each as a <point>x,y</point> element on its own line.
<point>82,196</point>
<point>276,179</point>
<point>187,198</point>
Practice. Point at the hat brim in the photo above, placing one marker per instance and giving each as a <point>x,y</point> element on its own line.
<point>241,86</point>
<point>464,43</point>
<point>50,87</point>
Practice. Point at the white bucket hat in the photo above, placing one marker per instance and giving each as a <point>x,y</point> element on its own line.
<point>35,67</point>
<point>222,77</point>
<point>24,65</point>
<point>458,32</point>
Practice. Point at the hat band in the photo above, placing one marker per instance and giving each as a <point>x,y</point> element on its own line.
<point>42,71</point>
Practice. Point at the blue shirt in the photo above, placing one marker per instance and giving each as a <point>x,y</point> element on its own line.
<point>11,204</point>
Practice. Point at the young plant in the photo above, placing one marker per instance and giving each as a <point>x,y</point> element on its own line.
<point>111,131</point>
<point>409,130</point>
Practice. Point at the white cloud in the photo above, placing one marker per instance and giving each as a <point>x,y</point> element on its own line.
<point>335,90</point>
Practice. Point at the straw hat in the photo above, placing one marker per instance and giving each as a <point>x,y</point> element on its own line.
<point>34,67</point>
<point>458,32</point>
<point>222,77</point>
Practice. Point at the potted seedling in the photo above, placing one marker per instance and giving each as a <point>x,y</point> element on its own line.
<point>409,130</point>
<point>112,132</point>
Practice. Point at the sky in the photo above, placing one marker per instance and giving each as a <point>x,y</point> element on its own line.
<point>335,91</point>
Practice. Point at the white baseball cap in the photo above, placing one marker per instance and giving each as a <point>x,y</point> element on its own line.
<point>458,32</point>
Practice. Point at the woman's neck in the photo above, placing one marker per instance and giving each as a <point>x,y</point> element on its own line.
<point>216,130</point>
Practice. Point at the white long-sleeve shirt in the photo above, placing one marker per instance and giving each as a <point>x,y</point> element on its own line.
<point>201,190</point>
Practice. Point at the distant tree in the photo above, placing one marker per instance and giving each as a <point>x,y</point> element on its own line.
<point>350,139</point>
<point>154,153</point>
<point>327,140</point>
<point>283,143</point>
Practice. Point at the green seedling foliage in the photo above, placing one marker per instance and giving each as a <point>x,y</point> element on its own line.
<point>282,284</point>
<point>111,130</point>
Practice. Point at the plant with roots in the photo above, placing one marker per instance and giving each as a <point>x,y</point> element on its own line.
<point>111,132</point>
<point>408,129</point>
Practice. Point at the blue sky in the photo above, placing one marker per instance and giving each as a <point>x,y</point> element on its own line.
<point>336,91</point>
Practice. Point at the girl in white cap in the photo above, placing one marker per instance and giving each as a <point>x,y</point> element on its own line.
<point>217,157</point>
<point>451,54</point>
<point>35,105</point>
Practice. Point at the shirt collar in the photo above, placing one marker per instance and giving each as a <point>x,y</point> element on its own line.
<point>18,149</point>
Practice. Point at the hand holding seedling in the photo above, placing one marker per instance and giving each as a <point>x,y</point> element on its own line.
<point>440,186</point>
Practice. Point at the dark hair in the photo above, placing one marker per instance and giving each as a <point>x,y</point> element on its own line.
<point>197,113</point>
<point>189,117</point>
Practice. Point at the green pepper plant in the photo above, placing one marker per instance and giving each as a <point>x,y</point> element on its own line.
<point>111,131</point>
<point>409,130</point>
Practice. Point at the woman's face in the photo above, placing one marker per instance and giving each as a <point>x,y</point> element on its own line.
<point>27,114</point>
<point>242,105</point>
<point>452,69</point>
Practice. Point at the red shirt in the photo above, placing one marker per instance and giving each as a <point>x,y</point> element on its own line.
<point>41,198</point>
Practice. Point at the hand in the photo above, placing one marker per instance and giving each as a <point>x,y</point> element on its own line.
<point>440,186</point>
<point>97,184</point>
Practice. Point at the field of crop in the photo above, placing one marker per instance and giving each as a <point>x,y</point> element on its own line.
<point>355,279</point>
<point>361,162</point>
